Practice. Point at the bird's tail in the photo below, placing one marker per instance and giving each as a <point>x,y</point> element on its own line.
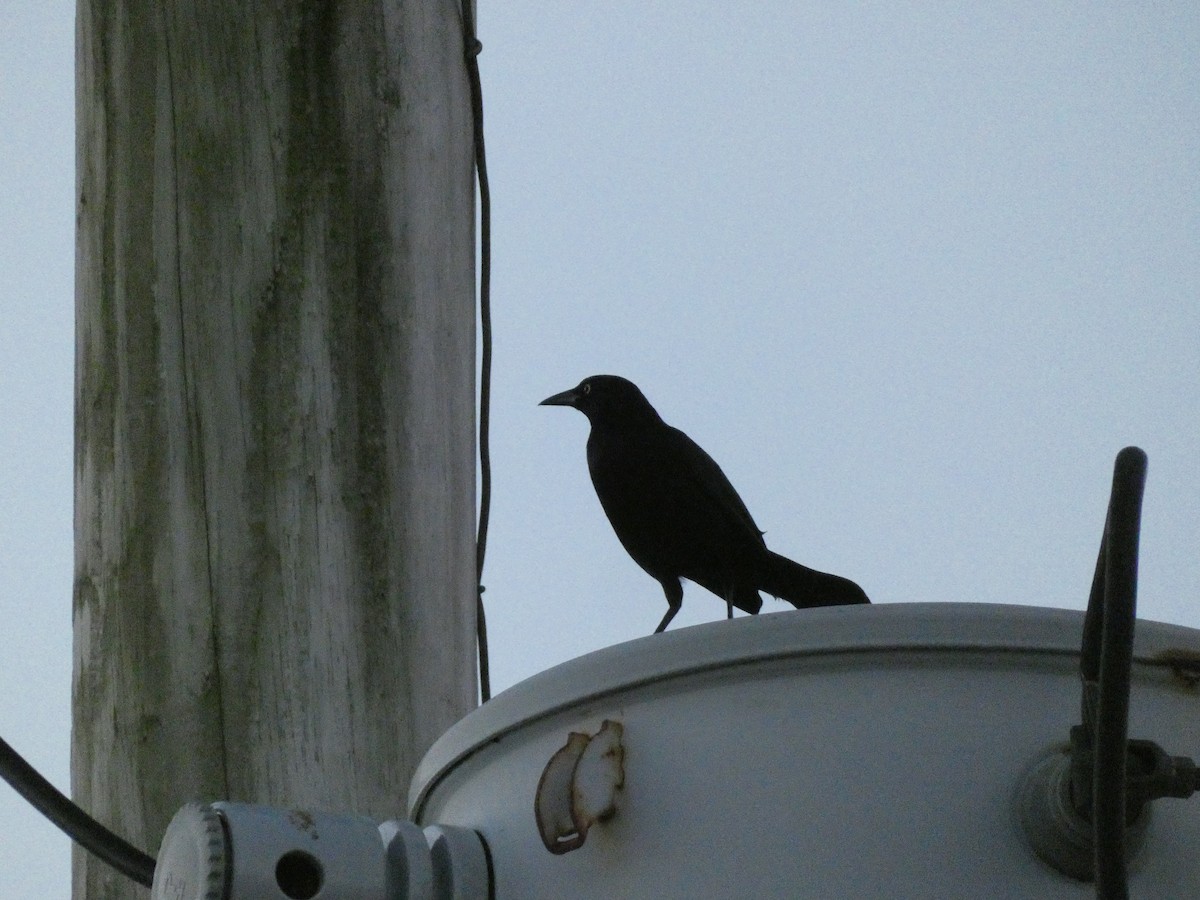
<point>803,587</point>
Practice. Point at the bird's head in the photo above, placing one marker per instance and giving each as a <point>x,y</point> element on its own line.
<point>607,400</point>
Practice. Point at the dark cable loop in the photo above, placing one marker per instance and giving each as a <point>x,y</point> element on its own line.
<point>1105,664</point>
<point>1109,797</point>
<point>78,825</point>
<point>472,50</point>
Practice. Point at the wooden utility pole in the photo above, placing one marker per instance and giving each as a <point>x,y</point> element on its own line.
<point>274,495</point>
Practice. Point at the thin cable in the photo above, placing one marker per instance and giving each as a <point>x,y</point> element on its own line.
<point>78,825</point>
<point>473,49</point>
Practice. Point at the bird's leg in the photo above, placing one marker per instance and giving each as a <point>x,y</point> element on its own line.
<point>674,591</point>
<point>729,593</point>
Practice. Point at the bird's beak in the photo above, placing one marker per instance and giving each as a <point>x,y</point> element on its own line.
<point>566,398</point>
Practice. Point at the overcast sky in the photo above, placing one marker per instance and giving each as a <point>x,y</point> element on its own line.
<point>911,273</point>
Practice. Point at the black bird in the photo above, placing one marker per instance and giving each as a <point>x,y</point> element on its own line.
<point>677,514</point>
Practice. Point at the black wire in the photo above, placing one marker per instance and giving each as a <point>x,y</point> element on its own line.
<point>473,48</point>
<point>78,825</point>
<point>1120,549</point>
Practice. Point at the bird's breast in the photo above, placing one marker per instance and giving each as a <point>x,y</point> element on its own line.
<point>661,515</point>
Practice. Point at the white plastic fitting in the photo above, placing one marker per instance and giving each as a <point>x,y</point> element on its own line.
<point>240,851</point>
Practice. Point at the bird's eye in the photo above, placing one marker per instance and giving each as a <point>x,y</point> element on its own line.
<point>587,388</point>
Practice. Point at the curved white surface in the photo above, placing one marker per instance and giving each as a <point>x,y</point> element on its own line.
<point>840,752</point>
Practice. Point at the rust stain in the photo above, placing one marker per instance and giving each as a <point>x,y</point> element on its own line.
<point>1184,665</point>
<point>598,775</point>
<point>302,820</point>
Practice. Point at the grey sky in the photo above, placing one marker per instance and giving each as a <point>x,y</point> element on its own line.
<point>911,273</point>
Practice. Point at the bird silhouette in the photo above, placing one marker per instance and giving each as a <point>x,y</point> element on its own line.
<point>676,513</point>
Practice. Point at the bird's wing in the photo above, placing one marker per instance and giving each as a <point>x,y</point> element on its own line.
<point>702,470</point>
